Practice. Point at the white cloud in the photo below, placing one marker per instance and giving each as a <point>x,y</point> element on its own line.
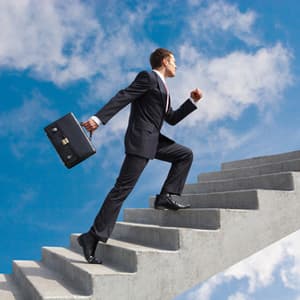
<point>206,290</point>
<point>232,83</point>
<point>259,269</point>
<point>290,273</point>
<point>220,17</point>
<point>238,296</point>
<point>48,37</point>
<point>63,41</point>
<point>219,140</point>
<point>282,257</point>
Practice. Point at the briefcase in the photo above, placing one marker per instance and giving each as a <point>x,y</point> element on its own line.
<point>70,140</point>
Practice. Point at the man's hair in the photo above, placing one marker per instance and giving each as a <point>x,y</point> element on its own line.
<point>157,57</point>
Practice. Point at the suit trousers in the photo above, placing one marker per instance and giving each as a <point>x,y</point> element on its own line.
<point>181,158</point>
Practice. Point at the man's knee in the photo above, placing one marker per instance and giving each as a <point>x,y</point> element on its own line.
<point>188,154</point>
<point>191,154</point>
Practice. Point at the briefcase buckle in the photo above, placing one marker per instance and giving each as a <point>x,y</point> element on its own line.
<point>65,141</point>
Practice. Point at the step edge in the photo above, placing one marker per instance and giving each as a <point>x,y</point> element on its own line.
<point>223,172</point>
<point>272,156</point>
<point>286,173</point>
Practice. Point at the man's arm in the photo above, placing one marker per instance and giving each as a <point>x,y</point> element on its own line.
<point>136,89</point>
<point>175,116</point>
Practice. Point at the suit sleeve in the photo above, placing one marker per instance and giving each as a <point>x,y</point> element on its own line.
<point>175,116</point>
<point>135,90</point>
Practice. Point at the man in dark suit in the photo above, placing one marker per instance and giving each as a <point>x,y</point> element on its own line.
<point>150,106</point>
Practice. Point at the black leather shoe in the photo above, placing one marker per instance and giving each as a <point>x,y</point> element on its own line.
<point>88,243</point>
<point>165,201</point>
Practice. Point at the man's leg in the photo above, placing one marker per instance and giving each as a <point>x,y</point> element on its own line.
<point>105,220</point>
<point>181,158</point>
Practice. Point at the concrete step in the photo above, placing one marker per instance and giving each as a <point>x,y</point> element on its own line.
<point>271,168</point>
<point>118,254</point>
<point>76,270</point>
<point>39,283</point>
<point>280,181</point>
<point>8,288</point>
<point>261,160</point>
<point>147,235</point>
<point>247,199</point>
<point>188,218</point>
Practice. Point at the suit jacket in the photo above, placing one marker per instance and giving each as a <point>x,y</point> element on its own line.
<point>148,97</point>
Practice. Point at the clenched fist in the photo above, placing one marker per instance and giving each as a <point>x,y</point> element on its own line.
<point>90,125</point>
<point>196,94</point>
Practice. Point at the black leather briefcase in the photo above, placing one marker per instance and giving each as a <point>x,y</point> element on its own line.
<point>70,140</point>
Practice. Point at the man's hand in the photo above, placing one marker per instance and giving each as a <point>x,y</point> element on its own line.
<point>196,94</point>
<point>90,125</point>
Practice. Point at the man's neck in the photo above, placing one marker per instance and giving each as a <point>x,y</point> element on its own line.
<point>162,72</point>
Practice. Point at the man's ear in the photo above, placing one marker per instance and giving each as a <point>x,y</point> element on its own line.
<point>165,62</point>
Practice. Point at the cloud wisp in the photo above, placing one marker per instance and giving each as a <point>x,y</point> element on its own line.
<point>20,125</point>
<point>221,18</point>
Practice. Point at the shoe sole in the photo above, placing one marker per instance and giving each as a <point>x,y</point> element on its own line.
<point>175,209</point>
<point>165,208</point>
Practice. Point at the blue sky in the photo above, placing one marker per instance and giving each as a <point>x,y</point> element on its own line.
<point>62,56</point>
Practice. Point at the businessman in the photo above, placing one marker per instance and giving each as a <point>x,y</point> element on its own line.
<point>150,102</point>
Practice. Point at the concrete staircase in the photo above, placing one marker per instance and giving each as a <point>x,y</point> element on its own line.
<point>157,254</point>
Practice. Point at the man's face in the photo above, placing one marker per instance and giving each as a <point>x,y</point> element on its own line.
<point>171,66</point>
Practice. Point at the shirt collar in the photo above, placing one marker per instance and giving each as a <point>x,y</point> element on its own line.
<point>160,76</point>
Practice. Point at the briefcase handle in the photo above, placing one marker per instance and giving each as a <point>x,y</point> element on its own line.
<point>90,132</point>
